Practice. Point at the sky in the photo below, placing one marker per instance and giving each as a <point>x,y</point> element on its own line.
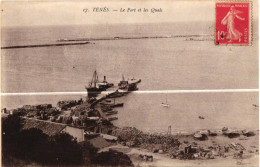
<point>70,13</point>
<point>33,13</point>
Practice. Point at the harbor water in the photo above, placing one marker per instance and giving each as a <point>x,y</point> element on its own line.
<point>162,64</point>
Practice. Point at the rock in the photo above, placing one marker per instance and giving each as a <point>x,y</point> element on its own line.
<point>200,136</point>
<point>155,150</point>
<point>196,155</point>
<point>226,148</point>
<point>233,134</point>
<point>250,151</point>
<point>248,134</point>
<point>128,144</point>
<point>226,131</point>
<point>212,133</point>
<point>215,153</point>
<point>160,151</point>
<point>243,138</point>
<point>209,156</point>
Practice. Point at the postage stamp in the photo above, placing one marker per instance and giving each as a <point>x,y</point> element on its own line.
<point>232,23</point>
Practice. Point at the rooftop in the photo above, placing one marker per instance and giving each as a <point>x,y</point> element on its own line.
<point>49,128</point>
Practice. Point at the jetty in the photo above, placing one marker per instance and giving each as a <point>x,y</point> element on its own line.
<point>113,94</point>
<point>131,37</point>
<point>44,45</point>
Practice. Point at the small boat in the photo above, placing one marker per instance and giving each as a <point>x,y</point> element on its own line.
<point>111,112</point>
<point>200,117</point>
<point>116,94</point>
<point>165,104</point>
<point>117,105</point>
<point>106,109</point>
<point>256,106</point>
<point>112,118</point>
<point>93,118</point>
<point>114,111</point>
<point>104,104</point>
<point>136,81</point>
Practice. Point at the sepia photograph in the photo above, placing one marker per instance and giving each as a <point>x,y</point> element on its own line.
<point>130,83</point>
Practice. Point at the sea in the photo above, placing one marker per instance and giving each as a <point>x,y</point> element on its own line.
<point>163,64</point>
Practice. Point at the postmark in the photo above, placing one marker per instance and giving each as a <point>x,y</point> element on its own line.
<point>233,23</point>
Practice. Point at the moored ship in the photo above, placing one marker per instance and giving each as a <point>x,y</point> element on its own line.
<point>129,85</point>
<point>123,84</point>
<point>104,84</point>
<point>96,87</point>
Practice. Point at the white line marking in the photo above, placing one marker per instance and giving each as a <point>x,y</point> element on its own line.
<point>140,91</point>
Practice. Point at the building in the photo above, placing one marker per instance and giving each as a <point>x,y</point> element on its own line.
<point>76,132</point>
<point>52,128</point>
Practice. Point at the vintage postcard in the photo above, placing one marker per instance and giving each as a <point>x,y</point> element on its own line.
<point>130,83</point>
<point>233,23</point>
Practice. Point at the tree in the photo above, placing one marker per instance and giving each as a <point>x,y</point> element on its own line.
<point>89,152</point>
<point>10,128</point>
<point>30,142</point>
<point>112,158</point>
<point>65,149</point>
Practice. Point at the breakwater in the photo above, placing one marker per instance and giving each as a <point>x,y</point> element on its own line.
<point>44,45</point>
<point>133,37</point>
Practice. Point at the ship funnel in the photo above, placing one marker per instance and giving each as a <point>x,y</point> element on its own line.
<point>104,78</point>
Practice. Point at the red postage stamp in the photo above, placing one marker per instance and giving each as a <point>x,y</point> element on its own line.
<point>232,23</point>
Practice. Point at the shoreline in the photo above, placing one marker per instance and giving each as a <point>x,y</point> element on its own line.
<point>170,147</point>
<point>107,95</point>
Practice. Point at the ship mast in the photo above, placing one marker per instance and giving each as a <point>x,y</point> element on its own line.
<point>94,79</point>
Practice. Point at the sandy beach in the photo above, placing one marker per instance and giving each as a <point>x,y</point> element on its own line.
<point>250,155</point>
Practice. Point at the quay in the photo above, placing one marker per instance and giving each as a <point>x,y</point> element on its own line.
<point>113,94</point>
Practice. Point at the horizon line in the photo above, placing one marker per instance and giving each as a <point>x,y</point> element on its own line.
<point>139,92</point>
<point>105,24</point>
